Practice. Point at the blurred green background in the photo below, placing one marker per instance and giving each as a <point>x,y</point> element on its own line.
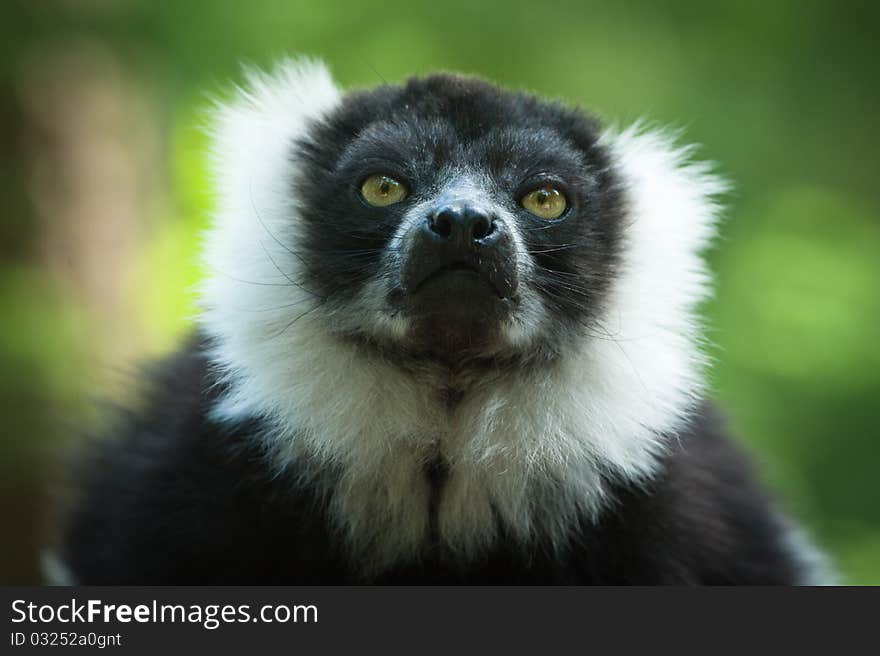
<point>104,189</point>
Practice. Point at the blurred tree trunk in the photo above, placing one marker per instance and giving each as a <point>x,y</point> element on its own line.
<point>82,149</point>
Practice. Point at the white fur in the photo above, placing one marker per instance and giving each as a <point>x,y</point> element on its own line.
<point>55,572</point>
<point>815,568</point>
<point>533,447</point>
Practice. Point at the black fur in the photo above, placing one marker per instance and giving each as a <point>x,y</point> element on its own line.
<point>177,499</point>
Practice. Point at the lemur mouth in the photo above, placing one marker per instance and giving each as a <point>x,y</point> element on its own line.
<point>458,268</point>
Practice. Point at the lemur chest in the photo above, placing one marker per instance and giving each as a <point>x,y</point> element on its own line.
<point>434,493</point>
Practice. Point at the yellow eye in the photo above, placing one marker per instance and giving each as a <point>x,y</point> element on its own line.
<point>546,202</point>
<point>380,190</point>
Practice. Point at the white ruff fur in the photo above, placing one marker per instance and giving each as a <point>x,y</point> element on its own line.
<point>533,448</point>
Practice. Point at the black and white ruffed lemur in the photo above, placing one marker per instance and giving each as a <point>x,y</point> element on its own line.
<point>448,335</point>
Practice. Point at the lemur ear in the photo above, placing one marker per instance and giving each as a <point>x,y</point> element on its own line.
<point>253,133</point>
<point>671,196</point>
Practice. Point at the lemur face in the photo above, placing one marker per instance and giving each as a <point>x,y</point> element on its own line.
<point>447,267</point>
<point>452,220</point>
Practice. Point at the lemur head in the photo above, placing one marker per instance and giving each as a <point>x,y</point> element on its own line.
<point>448,270</point>
<point>448,220</point>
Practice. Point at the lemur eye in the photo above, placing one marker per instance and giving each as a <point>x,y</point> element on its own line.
<point>380,190</point>
<point>546,203</point>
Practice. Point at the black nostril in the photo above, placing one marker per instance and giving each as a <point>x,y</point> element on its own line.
<point>442,223</point>
<point>481,227</point>
<point>461,224</point>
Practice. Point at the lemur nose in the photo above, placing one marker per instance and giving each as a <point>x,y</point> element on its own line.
<point>465,240</point>
<point>464,225</point>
